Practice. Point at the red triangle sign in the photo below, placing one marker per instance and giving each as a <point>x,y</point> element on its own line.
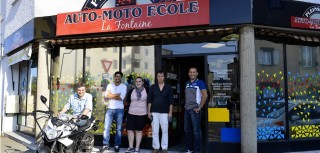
<point>106,65</point>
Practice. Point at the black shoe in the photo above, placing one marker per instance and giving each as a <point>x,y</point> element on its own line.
<point>116,148</point>
<point>155,151</point>
<point>130,150</point>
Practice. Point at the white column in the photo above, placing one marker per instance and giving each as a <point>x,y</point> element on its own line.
<point>42,80</point>
<point>248,91</point>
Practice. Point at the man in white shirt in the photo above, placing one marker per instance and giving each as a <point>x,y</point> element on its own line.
<point>116,93</point>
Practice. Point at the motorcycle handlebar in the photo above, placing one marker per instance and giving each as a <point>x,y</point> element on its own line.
<point>45,112</point>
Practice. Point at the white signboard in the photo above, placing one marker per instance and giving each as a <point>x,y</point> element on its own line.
<point>24,54</point>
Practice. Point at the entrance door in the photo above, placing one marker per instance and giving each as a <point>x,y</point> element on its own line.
<point>27,96</point>
<point>221,75</point>
<point>177,75</point>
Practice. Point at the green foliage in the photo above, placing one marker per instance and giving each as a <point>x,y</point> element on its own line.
<point>88,80</point>
<point>146,76</point>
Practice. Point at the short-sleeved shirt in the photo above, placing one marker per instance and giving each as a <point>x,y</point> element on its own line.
<point>160,100</point>
<point>120,89</point>
<point>78,105</point>
<point>193,93</point>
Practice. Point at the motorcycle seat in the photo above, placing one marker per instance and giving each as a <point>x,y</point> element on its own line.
<point>85,123</point>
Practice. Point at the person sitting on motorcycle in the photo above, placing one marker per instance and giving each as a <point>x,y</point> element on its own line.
<point>80,103</point>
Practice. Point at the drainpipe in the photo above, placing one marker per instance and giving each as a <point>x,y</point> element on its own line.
<point>1,90</point>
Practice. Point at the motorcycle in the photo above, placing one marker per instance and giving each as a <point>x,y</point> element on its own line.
<point>64,134</point>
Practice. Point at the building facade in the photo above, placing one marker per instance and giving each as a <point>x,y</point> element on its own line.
<point>259,59</point>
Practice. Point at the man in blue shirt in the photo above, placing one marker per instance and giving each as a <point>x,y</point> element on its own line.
<point>80,103</point>
<point>196,96</point>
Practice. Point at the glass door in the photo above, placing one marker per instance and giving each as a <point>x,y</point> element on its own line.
<point>223,107</point>
<point>177,68</point>
<point>27,95</point>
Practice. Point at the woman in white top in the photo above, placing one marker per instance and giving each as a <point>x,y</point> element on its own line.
<point>136,119</point>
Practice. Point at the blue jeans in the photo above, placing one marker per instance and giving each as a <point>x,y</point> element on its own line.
<point>117,115</point>
<point>192,128</point>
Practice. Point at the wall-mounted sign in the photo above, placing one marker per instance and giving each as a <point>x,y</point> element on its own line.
<point>286,13</point>
<point>134,17</point>
<point>310,19</point>
<point>22,36</point>
<point>24,54</point>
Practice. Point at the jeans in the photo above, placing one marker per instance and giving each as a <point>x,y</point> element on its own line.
<point>162,120</point>
<point>192,127</point>
<point>117,115</point>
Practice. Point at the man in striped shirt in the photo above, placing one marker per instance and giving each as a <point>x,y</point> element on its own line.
<point>196,96</point>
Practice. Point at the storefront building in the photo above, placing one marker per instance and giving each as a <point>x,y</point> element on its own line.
<point>259,59</point>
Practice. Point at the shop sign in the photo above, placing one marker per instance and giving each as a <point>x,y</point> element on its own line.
<point>134,17</point>
<point>309,20</point>
<point>20,37</point>
<point>24,54</point>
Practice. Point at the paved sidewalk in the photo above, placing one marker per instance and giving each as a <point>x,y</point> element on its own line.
<point>10,146</point>
<point>16,142</point>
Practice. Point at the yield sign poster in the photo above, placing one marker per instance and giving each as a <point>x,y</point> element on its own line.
<point>106,65</point>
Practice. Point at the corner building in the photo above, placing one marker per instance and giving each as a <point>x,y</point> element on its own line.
<point>258,58</point>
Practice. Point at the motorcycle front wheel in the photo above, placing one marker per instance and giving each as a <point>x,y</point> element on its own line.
<point>64,149</point>
<point>87,143</point>
<point>43,149</point>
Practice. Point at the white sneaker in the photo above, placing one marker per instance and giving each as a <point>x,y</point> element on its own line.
<point>188,151</point>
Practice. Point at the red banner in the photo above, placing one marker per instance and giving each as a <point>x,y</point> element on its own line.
<point>303,22</point>
<point>137,17</point>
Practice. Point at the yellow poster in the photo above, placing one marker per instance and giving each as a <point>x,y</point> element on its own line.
<point>218,115</point>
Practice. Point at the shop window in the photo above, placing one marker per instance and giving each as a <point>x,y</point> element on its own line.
<point>303,77</point>
<point>97,77</point>
<point>115,49</point>
<point>268,56</point>
<point>124,49</point>
<point>271,105</point>
<point>66,76</point>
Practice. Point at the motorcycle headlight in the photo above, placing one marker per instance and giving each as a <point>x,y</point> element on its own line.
<point>53,133</point>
